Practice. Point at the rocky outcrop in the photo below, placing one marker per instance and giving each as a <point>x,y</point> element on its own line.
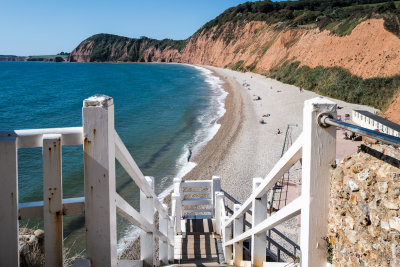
<point>364,227</point>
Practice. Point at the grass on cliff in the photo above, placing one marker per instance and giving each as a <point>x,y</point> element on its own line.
<point>105,44</point>
<point>339,83</point>
<point>338,16</point>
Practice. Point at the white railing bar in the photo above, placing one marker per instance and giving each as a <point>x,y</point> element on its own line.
<point>194,183</point>
<point>33,137</point>
<point>128,212</point>
<point>292,155</point>
<point>289,211</point>
<point>128,163</point>
<point>32,210</point>
<point>289,158</point>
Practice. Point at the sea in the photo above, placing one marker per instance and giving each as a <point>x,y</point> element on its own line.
<point>163,114</point>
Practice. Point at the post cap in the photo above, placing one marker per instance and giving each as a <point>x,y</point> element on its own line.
<point>98,101</point>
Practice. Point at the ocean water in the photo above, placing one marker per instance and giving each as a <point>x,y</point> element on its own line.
<point>161,112</point>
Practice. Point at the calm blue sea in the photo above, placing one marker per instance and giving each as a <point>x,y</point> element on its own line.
<point>161,111</point>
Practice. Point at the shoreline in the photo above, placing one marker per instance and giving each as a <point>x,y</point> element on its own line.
<point>211,154</point>
<point>243,149</point>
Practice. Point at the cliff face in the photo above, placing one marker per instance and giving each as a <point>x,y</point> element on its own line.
<point>369,51</point>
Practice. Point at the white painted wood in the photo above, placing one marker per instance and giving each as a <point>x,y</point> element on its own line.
<point>9,255</point>
<point>99,162</point>
<point>196,201</point>
<point>34,137</point>
<point>163,246</point>
<point>32,210</point>
<point>147,238</point>
<point>130,263</point>
<point>258,241</point>
<point>129,213</point>
<point>177,186</point>
<point>196,183</point>
<point>128,163</point>
<point>176,198</point>
<point>319,151</point>
<point>226,237</point>
<point>52,200</point>
<point>289,211</point>
<point>219,202</point>
<point>215,187</point>
<point>288,159</point>
<point>171,240</point>
<point>237,230</point>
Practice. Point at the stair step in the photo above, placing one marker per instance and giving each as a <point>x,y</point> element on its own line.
<point>196,201</point>
<point>206,192</point>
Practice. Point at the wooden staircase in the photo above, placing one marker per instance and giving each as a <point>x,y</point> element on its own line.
<point>198,245</point>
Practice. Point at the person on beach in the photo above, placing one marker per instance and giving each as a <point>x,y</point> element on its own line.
<point>190,155</point>
<point>301,89</point>
<point>278,132</point>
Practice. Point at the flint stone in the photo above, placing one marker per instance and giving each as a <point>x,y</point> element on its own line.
<point>363,175</point>
<point>395,223</point>
<point>385,225</point>
<point>353,186</point>
<point>383,187</point>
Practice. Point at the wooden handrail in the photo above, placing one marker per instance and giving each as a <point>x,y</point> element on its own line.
<point>284,163</point>
<point>34,137</point>
<point>289,211</point>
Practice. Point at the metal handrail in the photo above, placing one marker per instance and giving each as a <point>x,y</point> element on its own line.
<point>325,121</point>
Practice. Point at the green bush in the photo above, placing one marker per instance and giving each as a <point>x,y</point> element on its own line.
<point>238,66</point>
<point>339,83</point>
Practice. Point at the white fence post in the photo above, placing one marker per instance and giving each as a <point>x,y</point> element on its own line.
<point>215,187</point>
<point>147,239</point>
<point>219,201</point>
<point>258,241</point>
<point>176,198</point>
<point>9,254</point>
<point>319,152</point>
<point>163,245</point>
<point>99,161</point>
<point>237,230</point>
<point>171,238</point>
<point>227,235</point>
<point>52,200</point>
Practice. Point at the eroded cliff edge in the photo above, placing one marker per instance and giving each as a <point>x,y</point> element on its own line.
<point>358,57</point>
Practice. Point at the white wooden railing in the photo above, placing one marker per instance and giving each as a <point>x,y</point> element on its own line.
<point>101,202</point>
<point>316,146</point>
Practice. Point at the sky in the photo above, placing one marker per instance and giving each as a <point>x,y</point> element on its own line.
<point>47,27</point>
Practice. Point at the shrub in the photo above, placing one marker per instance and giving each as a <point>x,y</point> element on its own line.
<point>339,83</point>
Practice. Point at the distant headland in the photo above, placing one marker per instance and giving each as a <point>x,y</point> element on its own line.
<point>60,57</point>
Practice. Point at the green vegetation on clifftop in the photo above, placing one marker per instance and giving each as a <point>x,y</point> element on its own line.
<point>338,16</point>
<point>339,83</point>
<point>109,47</point>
